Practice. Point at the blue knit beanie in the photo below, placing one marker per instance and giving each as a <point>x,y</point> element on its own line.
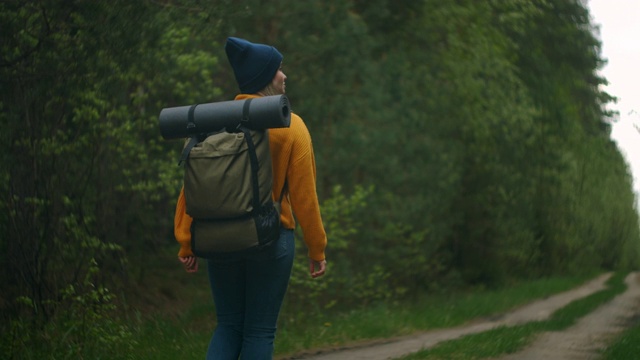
<point>254,65</point>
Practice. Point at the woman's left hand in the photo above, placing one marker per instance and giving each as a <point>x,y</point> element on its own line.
<point>190,263</point>
<point>317,268</point>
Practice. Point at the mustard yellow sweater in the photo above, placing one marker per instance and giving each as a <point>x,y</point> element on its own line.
<point>293,159</point>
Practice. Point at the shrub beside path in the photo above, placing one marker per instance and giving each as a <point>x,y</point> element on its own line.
<point>537,311</point>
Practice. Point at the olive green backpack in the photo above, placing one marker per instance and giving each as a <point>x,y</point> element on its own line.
<point>227,186</point>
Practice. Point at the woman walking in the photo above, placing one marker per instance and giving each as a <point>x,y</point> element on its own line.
<point>249,286</point>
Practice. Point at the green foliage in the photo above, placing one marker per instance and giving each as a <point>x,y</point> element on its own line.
<point>82,326</point>
<point>87,176</point>
<point>346,284</point>
<point>340,215</point>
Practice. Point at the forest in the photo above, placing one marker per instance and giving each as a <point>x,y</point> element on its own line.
<point>458,143</point>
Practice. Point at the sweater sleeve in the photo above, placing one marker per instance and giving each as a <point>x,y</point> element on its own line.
<point>301,177</point>
<point>182,226</point>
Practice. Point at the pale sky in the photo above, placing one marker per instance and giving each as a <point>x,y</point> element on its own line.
<point>619,22</point>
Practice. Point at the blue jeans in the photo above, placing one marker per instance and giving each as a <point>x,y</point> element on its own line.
<point>248,288</point>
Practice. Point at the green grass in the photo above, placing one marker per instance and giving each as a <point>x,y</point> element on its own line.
<point>297,334</point>
<point>169,340</point>
<point>186,335</point>
<point>625,347</point>
<point>505,340</point>
<point>486,344</point>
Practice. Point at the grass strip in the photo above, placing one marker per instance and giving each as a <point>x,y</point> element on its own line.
<point>626,347</point>
<point>297,333</point>
<point>506,340</point>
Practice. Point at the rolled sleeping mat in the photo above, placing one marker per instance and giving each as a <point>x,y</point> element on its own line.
<point>263,113</point>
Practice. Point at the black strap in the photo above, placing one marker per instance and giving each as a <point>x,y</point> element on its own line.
<point>191,129</point>
<point>254,167</point>
<point>191,124</point>
<point>245,114</point>
<point>187,149</point>
<point>253,157</point>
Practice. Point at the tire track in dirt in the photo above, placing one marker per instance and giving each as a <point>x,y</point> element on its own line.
<point>393,348</point>
<point>590,334</point>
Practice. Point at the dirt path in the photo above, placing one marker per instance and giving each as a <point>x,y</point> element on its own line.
<point>605,320</point>
<point>592,333</point>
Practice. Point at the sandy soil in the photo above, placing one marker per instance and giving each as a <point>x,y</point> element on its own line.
<point>581,341</point>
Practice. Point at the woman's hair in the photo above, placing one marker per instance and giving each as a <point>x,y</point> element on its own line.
<point>269,90</point>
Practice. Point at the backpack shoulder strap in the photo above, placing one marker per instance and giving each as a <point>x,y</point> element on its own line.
<point>253,157</point>
<point>187,149</point>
